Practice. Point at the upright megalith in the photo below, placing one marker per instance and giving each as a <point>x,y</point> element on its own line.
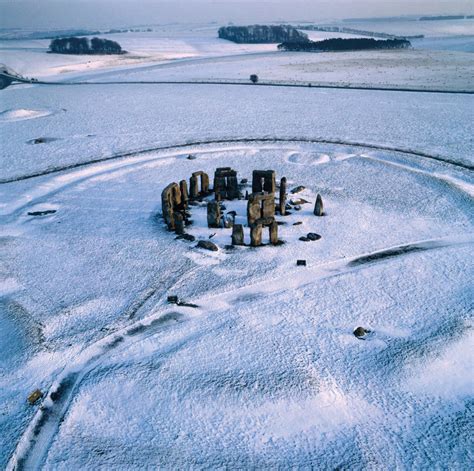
<point>183,186</point>
<point>238,234</point>
<point>263,181</point>
<point>273,233</point>
<point>256,235</point>
<point>196,179</point>
<point>318,206</point>
<point>213,214</point>
<point>226,185</point>
<point>282,199</point>
<point>171,204</point>
<point>261,209</point>
<point>179,223</point>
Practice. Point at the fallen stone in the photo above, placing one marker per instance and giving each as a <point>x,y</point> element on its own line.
<point>244,181</point>
<point>304,239</point>
<point>313,236</point>
<point>360,332</point>
<point>298,223</point>
<point>301,263</point>
<point>297,208</point>
<point>281,223</point>
<point>173,299</point>
<point>35,396</point>
<point>41,213</point>
<point>298,202</point>
<point>188,237</point>
<point>298,189</point>
<point>191,157</point>
<point>207,245</point>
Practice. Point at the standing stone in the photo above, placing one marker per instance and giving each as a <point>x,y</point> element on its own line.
<point>282,200</point>
<point>219,187</point>
<point>183,186</point>
<point>256,235</point>
<point>268,207</point>
<point>193,187</point>
<point>263,180</point>
<point>179,223</point>
<point>238,234</point>
<point>204,183</point>
<point>318,207</point>
<point>232,186</point>
<point>213,214</point>
<point>274,233</point>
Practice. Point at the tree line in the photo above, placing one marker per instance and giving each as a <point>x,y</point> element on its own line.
<point>338,44</point>
<point>261,34</point>
<point>75,45</point>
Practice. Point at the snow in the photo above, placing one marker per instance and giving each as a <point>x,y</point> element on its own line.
<point>265,371</point>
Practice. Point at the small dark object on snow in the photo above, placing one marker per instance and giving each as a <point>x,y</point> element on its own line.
<point>244,181</point>
<point>304,239</point>
<point>297,208</point>
<point>298,202</point>
<point>212,235</point>
<point>173,299</point>
<point>207,245</point>
<point>41,213</point>
<point>298,189</point>
<point>360,332</point>
<point>254,78</point>
<point>34,396</point>
<point>191,157</point>
<point>297,223</point>
<point>301,263</point>
<point>39,140</point>
<point>313,236</point>
<point>188,237</point>
<point>281,223</point>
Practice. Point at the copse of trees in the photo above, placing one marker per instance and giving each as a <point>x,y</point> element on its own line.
<point>261,34</point>
<point>338,44</point>
<point>75,45</point>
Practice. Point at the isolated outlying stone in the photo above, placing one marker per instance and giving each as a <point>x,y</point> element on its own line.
<point>318,206</point>
<point>41,213</point>
<point>360,332</point>
<point>34,396</point>
<point>207,245</point>
<point>191,157</point>
<point>304,239</point>
<point>301,263</point>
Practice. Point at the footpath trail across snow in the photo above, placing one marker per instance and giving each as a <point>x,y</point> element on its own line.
<point>266,366</point>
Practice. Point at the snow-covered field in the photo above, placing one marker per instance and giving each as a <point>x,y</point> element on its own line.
<point>265,372</point>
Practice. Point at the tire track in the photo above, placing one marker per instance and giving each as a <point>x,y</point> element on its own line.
<point>35,443</point>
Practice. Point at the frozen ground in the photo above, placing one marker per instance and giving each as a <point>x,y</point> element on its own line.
<point>442,60</point>
<point>265,371</point>
<point>90,122</point>
<point>173,42</point>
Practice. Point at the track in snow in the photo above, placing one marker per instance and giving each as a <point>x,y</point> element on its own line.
<point>35,443</point>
